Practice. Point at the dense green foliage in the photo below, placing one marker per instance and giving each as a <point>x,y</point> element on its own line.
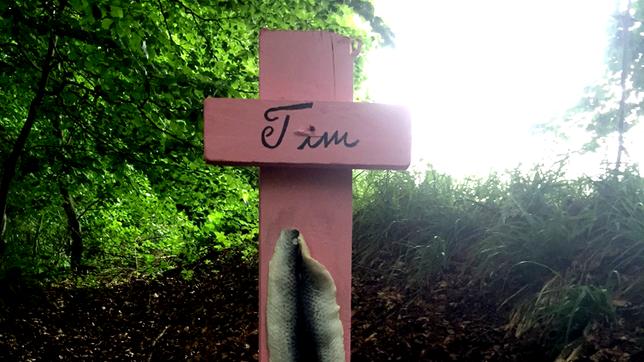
<point>562,253</point>
<point>101,126</point>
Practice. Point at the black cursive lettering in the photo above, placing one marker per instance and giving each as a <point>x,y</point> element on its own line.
<point>269,130</point>
<point>326,141</point>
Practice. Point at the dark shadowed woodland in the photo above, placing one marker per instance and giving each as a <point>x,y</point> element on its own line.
<point>118,242</point>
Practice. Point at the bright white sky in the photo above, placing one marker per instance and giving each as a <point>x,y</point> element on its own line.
<point>479,75</point>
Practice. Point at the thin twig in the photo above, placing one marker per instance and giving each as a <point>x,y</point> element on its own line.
<point>154,343</point>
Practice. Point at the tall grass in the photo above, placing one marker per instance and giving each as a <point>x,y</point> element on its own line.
<point>560,253</point>
<point>412,227</point>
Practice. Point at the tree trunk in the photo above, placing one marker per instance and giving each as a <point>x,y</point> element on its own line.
<point>74,227</point>
<point>11,163</point>
<point>621,121</point>
<point>73,222</point>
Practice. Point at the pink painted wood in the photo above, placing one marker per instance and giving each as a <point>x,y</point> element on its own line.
<point>319,66</point>
<point>316,199</point>
<point>259,132</point>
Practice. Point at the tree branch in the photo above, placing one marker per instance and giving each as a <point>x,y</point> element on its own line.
<point>165,21</point>
<point>164,131</point>
<point>9,167</point>
<point>626,21</point>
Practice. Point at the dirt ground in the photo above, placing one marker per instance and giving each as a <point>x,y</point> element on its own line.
<point>213,317</point>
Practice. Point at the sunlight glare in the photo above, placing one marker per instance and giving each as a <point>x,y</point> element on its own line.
<point>478,76</point>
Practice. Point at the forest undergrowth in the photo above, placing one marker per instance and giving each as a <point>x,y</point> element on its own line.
<point>523,265</point>
<point>560,260</point>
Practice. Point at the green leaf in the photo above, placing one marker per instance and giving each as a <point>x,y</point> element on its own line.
<point>106,23</point>
<point>116,11</point>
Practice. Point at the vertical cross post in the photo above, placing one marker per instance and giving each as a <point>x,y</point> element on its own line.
<point>316,201</point>
<point>306,150</point>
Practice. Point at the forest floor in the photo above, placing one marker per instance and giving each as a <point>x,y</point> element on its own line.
<point>213,317</point>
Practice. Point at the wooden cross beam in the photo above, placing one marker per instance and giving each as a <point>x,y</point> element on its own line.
<point>306,136</point>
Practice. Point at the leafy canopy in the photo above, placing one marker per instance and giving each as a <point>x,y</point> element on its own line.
<point>118,123</point>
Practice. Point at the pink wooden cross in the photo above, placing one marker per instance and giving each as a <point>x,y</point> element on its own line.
<point>306,136</point>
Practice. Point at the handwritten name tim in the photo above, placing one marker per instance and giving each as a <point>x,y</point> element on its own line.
<point>310,140</point>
